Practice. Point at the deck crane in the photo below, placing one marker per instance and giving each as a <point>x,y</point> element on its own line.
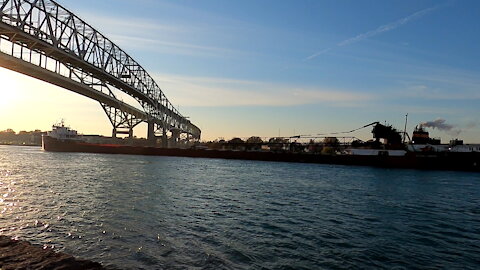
<point>380,131</point>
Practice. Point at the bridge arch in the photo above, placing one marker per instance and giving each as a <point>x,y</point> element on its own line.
<point>44,40</point>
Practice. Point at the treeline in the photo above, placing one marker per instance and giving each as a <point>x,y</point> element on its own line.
<point>21,138</point>
<point>276,144</point>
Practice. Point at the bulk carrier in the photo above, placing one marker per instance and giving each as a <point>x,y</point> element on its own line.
<point>422,152</point>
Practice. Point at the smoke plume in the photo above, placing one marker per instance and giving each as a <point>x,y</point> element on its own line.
<point>438,124</point>
<point>441,124</point>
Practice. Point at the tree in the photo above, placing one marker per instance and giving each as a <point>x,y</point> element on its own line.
<point>331,141</point>
<point>330,145</point>
<point>9,131</point>
<point>236,141</point>
<point>277,144</point>
<point>254,143</point>
<point>254,139</point>
<point>236,144</point>
<point>278,140</point>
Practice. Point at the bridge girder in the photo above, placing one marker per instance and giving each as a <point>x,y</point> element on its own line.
<point>39,30</point>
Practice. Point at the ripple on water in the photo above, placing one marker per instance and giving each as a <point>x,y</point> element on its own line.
<point>137,212</point>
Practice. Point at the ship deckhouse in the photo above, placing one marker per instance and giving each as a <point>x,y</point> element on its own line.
<point>60,131</point>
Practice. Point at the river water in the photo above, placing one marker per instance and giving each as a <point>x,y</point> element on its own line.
<point>141,212</point>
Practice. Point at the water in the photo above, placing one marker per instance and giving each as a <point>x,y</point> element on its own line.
<point>139,212</point>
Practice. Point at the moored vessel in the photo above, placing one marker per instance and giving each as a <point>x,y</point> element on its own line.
<point>391,153</point>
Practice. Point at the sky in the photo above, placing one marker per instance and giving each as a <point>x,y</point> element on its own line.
<point>277,67</point>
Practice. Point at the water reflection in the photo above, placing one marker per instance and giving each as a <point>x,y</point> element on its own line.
<point>163,213</point>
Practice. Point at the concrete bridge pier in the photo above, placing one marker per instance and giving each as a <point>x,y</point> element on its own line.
<point>164,138</point>
<point>151,138</point>
<point>175,137</point>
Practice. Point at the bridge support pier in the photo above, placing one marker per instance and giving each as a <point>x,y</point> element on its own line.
<point>152,139</point>
<point>164,138</point>
<point>175,137</point>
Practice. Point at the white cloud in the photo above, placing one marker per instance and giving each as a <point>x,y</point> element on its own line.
<point>112,24</point>
<point>172,47</point>
<point>440,84</point>
<point>155,36</point>
<point>204,91</point>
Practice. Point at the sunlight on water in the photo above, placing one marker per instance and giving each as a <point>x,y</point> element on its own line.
<point>138,212</point>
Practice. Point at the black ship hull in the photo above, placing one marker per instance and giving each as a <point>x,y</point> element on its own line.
<point>413,160</point>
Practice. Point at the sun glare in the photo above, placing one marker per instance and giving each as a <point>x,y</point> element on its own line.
<point>9,92</point>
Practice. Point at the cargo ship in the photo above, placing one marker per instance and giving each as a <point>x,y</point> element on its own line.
<point>422,152</point>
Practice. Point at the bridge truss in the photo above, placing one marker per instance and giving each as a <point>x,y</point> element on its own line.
<point>42,39</point>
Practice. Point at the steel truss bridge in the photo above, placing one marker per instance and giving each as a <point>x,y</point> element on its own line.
<point>42,39</point>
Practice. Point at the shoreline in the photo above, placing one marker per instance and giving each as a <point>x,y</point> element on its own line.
<point>20,254</point>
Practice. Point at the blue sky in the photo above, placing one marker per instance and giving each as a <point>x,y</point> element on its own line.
<point>243,68</point>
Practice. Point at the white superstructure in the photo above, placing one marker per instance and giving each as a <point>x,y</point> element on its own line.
<point>427,147</point>
<point>465,148</point>
<point>374,152</point>
<point>61,132</point>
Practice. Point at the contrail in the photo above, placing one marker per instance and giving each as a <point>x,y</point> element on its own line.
<point>379,30</point>
<point>318,53</point>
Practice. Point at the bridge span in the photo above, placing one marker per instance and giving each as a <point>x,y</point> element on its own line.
<point>42,39</point>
